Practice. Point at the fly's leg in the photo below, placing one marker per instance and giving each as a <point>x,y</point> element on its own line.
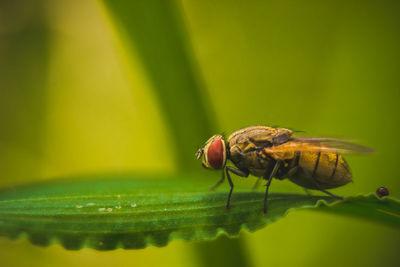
<point>291,172</point>
<point>308,193</point>
<point>323,190</point>
<point>318,187</point>
<point>231,184</point>
<point>256,184</point>
<point>219,182</point>
<point>237,172</point>
<point>329,193</point>
<point>272,174</point>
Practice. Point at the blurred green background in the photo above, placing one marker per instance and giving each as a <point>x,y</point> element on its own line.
<point>137,86</point>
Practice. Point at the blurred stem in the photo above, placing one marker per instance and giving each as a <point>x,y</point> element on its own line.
<point>156,32</point>
<point>24,55</point>
<point>224,251</point>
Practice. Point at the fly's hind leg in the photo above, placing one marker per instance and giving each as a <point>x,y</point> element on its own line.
<point>237,172</point>
<point>318,187</point>
<point>329,193</point>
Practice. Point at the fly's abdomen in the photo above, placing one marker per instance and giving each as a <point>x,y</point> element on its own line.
<point>320,170</point>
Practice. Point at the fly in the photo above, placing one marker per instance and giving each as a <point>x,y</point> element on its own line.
<point>268,152</point>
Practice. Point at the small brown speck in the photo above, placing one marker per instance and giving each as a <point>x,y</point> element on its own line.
<point>382,191</point>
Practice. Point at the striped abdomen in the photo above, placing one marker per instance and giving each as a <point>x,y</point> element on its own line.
<point>319,170</point>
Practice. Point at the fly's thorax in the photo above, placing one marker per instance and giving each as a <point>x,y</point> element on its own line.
<point>250,161</point>
<point>214,152</point>
<point>259,136</point>
<point>245,145</point>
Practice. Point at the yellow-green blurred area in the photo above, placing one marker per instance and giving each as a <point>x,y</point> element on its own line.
<point>81,91</point>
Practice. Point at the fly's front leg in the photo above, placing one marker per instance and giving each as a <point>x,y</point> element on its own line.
<point>237,172</point>
<point>219,182</point>
<point>271,175</point>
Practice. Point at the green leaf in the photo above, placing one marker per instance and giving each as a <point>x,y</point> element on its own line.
<point>384,210</point>
<point>106,213</point>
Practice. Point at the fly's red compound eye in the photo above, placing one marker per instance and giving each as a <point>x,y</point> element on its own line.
<point>215,154</point>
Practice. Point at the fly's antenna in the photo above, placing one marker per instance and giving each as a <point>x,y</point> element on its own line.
<point>297,131</point>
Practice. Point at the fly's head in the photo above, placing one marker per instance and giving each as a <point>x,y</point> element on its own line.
<point>214,152</point>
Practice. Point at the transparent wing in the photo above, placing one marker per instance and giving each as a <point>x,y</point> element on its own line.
<point>320,144</point>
